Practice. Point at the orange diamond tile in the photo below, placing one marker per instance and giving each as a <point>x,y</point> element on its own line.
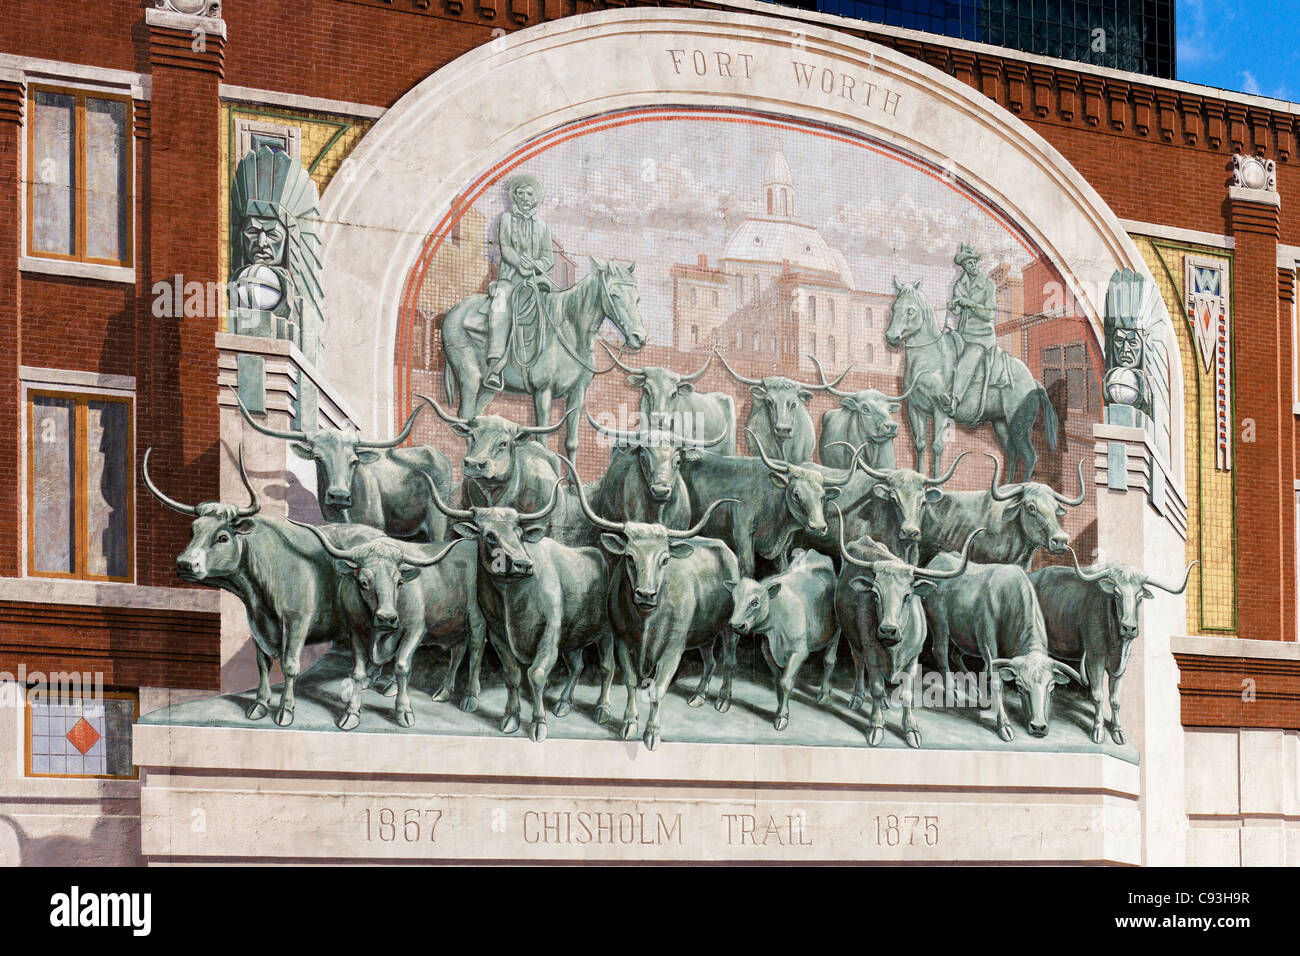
<point>83,736</point>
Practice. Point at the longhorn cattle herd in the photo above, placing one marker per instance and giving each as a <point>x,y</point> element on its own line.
<point>682,545</point>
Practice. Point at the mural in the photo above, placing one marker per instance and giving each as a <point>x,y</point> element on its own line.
<point>606,266</point>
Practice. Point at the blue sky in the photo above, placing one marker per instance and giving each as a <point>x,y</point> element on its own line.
<point>1252,46</point>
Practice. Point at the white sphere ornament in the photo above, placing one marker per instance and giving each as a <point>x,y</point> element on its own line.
<point>258,287</point>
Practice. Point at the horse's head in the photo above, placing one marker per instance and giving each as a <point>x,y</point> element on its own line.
<point>911,312</point>
<point>619,298</point>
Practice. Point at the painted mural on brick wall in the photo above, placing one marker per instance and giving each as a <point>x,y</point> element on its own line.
<point>786,432</point>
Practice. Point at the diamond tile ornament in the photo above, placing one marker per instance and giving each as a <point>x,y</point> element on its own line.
<point>82,735</point>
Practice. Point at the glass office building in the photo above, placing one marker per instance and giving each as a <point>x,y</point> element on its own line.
<point>1133,35</point>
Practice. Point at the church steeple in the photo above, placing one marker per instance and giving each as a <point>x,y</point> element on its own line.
<point>778,187</point>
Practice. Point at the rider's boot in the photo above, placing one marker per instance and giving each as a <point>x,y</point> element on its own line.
<point>498,333</point>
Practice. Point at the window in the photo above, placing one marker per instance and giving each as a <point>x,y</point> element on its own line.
<point>756,345</point>
<point>1069,362</point>
<point>830,346</point>
<point>773,341</point>
<point>812,309</point>
<point>80,493</point>
<point>80,175</point>
<point>75,733</point>
<point>868,317</point>
<point>693,291</point>
<point>715,298</point>
<point>830,306</point>
<point>871,353</point>
<point>740,338</point>
<point>695,335</point>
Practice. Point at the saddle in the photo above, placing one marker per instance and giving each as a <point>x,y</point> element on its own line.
<point>995,373</point>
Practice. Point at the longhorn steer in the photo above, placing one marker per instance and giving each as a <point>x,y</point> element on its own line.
<point>992,612</point>
<point>373,483</point>
<point>878,605</point>
<point>439,606</point>
<point>779,416</point>
<point>864,417</point>
<point>777,500</point>
<point>794,613</point>
<point>646,484</point>
<point>669,402</point>
<point>1020,519</point>
<point>541,600</point>
<point>667,595</point>
<point>1092,618</point>
<point>280,572</point>
<point>898,503</point>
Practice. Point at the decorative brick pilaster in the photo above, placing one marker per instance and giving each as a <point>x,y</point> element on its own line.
<point>12,99</point>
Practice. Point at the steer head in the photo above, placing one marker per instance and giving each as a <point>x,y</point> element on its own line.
<point>659,454</point>
<point>873,411</point>
<point>645,549</point>
<point>378,569</point>
<point>907,492</point>
<point>660,388</point>
<point>216,550</point>
<point>1037,508</point>
<point>782,399</point>
<point>491,441</point>
<point>1128,588</point>
<point>335,452</point>
<point>502,533</point>
<point>1035,676</point>
<point>891,586</point>
<point>807,490</point>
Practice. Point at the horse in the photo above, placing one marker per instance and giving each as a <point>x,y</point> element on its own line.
<point>565,365</point>
<point>930,359</point>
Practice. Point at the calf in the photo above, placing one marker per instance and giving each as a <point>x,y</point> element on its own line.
<point>794,613</point>
<point>668,595</point>
<point>541,600</point>
<point>878,605</point>
<point>439,607</point>
<point>1092,619</point>
<point>992,612</point>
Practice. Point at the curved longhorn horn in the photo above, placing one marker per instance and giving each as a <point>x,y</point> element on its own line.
<point>415,562</point>
<point>701,442</point>
<point>445,415</point>
<point>704,519</point>
<point>856,562</point>
<point>255,503</point>
<point>1086,575</point>
<point>288,434</point>
<point>456,513</point>
<point>627,368</point>
<point>774,464</point>
<point>960,569</point>
<point>734,374</point>
<point>394,442</point>
<point>1068,671</point>
<point>825,386</point>
<point>997,475</point>
<point>190,510</point>
<point>550,506</point>
<point>910,389</point>
<point>549,429</point>
<point>936,482</point>
<point>703,368</point>
<point>627,438</point>
<point>1083,492</point>
<point>333,552</point>
<point>829,387</point>
<point>857,460</point>
<point>1186,577</point>
<point>587,509</point>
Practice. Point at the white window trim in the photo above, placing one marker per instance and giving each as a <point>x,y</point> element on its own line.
<point>70,76</point>
<point>64,380</point>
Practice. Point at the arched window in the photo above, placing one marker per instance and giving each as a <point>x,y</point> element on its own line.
<point>871,353</point>
<point>831,306</point>
<point>831,347</point>
<point>695,335</point>
<point>812,309</point>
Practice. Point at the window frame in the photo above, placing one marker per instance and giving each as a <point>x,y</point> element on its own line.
<point>132,695</point>
<point>80,95</point>
<point>81,559</point>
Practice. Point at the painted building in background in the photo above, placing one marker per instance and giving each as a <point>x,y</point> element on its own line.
<point>121,131</point>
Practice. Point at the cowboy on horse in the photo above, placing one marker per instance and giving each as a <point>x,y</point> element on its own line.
<point>527,257</point>
<point>974,302</point>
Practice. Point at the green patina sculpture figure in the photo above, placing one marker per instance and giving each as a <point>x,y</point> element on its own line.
<point>975,303</point>
<point>1136,384</point>
<point>527,257</point>
<point>275,252</point>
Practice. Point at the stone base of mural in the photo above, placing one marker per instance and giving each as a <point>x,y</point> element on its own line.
<point>451,788</point>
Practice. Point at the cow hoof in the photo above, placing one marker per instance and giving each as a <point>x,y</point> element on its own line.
<point>697,699</point>
<point>443,695</point>
<point>857,702</point>
<point>603,715</point>
<point>256,710</point>
<point>651,739</point>
<point>914,739</point>
<point>348,688</point>
<point>406,717</point>
<point>348,720</point>
<point>469,704</point>
<point>1117,734</point>
<point>876,736</point>
<point>1005,732</point>
<point>1098,735</point>
<point>782,721</point>
<point>284,716</point>
<point>629,729</point>
<point>537,730</point>
<point>562,707</point>
<point>509,723</point>
<point>723,705</point>
<point>825,698</point>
